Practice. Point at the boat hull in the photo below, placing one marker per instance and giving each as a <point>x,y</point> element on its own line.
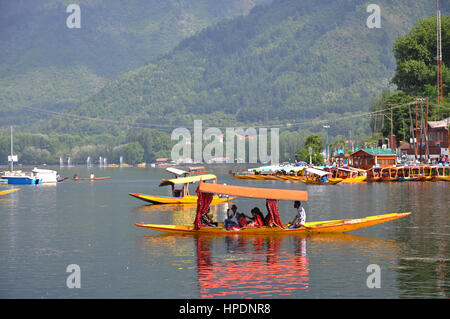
<point>332,226</point>
<point>16,180</point>
<point>190,199</point>
<point>330,181</point>
<point>354,180</point>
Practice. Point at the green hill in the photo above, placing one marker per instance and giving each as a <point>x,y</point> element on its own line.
<point>43,62</point>
<point>287,60</point>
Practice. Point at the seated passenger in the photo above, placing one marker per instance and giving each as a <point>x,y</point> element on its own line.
<point>257,219</point>
<point>232,221</point>
<point>207,220</point>
<point>268,221</point>
<point>242,220</point>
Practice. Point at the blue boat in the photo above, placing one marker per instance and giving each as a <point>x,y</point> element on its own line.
<point>20,178</point>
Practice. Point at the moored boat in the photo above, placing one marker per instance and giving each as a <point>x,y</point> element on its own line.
<point>36,176</point>
<point>180,195</point>
<point>316,176</point>
<point>441,174</point>
<point>349,175</point>
<point>389,174</point>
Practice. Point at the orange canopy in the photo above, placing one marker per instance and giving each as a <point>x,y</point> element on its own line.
<point>253,192</point>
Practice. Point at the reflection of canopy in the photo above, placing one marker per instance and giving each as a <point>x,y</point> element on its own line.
<point>268,272</point>
<point>205,192</point>
<point>187,180</point>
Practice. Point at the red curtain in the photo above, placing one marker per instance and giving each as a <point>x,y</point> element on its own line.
<point>203,202</point>
<point>272,207</point>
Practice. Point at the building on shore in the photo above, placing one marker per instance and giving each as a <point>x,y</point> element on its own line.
<point>434,141</point>
<point>366,158</point>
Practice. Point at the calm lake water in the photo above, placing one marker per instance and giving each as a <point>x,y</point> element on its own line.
<point>45,228</point>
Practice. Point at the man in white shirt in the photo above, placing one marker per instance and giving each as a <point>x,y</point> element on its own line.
<point>232,220</point>
<point>300,218</point>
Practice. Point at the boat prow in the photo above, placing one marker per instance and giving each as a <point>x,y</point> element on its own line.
<point>332,226</point>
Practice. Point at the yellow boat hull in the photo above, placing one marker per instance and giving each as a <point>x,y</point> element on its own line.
<point>9,191</point>
<point>330,181</point>
<point>359,179</point>
<point>331,226</point>
<point>189,199</point>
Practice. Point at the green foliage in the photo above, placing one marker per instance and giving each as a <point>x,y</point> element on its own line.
<point>285,61</point>
<point>415,54</point>
<point>315,143</point>
<point>133,153</point>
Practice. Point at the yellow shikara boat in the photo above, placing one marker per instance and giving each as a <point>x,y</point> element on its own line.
<point>272,195</point>
<point>350,175</point>
<point>181,196</point>
<point>9,191</point>
<point>441,173</point>
<point>316,176</point>
<point>331,226</point>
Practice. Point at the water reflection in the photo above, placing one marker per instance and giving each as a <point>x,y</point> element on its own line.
<point>260,266</point>
<point>252,267</point>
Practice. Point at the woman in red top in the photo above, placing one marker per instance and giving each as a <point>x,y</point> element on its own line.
<point>258,218</point>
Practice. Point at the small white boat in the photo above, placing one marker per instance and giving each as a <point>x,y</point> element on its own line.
<point>36,176</point>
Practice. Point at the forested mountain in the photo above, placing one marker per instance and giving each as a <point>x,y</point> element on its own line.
<point>289,60</point>
<point>43,62</point>
<point>287,63</point>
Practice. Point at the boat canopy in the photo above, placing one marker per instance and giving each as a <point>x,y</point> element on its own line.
<point>347,170</point>
<point>205,193</point>
<point>187,180</point>
<point>253,192</point>
<point>176,171</point>
<point>317,171</point>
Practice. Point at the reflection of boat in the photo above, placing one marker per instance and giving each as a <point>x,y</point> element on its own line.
<point>9,191</point>
<point>181,196</point>
<point>272,196</point>
<point>234,266</point>
<point>197,170</point>
<point>91,178</point>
